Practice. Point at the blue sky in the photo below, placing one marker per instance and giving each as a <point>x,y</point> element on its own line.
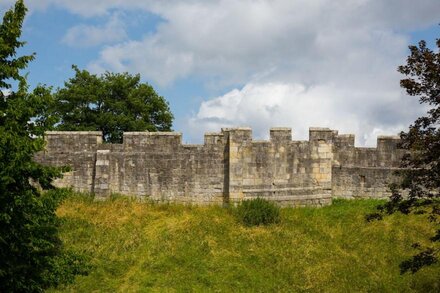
<point>223,63</point>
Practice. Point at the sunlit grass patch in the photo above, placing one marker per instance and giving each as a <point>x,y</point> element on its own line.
<point>135,246</point>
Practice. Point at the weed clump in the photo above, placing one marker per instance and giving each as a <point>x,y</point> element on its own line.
<point>257,212</point>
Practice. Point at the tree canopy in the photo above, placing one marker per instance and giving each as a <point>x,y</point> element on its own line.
<point>420,171</point>
<point>10,32</point>
<point>111,103</point>
<point>30,249</point>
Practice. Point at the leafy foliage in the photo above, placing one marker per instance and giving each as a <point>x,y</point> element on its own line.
<point>421,164</point>
<point>10,31</point>
<point>258,211</point>
<point>29,240</point>
<point>111,103</point>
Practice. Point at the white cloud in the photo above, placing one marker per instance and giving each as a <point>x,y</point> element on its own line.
<point>154,60</point>
<point>230,41</point>
<point>262,106</point>
<point>89,36</point>
<point>302,63</point>
<point>405,12</point>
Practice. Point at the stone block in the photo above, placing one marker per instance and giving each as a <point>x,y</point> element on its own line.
<point>280,135</point>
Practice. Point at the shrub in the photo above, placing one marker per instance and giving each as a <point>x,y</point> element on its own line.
<point>258,211</point>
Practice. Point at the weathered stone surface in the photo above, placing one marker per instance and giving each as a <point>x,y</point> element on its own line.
<point>229,167</point>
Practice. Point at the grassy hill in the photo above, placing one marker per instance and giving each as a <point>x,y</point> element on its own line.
<point>143,247</point>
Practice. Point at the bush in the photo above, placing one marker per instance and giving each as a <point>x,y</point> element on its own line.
<point>258,211</point>
<point>33,257</point>
<point>62,268</point>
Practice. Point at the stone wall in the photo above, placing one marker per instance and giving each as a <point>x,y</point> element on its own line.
<point>77,149</point>
<point>229,167</point>
<point>364,172</point>
<point>288,172</point>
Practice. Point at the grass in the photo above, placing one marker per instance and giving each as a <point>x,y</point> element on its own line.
<point>144,247</point>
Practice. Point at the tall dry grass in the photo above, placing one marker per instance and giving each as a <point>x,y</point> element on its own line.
<point>143,247</point>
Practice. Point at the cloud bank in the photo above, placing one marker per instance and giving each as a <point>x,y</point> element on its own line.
<point>265,105</point>
<point>298,63</point>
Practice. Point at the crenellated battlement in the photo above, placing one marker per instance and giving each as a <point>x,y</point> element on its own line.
<point>90,140</point>
<point>228,167</point>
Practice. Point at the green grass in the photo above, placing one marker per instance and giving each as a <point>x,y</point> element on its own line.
<point>144,247</point>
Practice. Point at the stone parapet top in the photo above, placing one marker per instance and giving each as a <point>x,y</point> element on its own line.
<point>157,133</point>
<point>136,133</point>
<point>222,133</point>
<point>163,133</point>
<point>319,129</point>
<point>236,128</point>
<point>388,137</point>
<point>345,135</point>
<point>73,132</point>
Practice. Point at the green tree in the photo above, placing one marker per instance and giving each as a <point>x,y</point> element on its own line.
<point>421,165</point>
<point>30,251</point>
<point>111,103</point>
